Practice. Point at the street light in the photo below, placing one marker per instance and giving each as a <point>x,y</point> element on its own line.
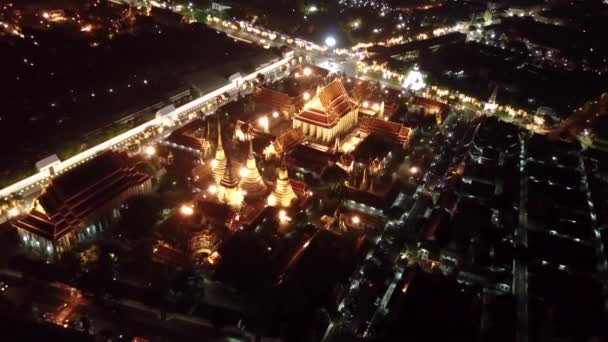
<point>330,42</point>
<point>150,151</point>
<point>186,210</point>
<point>414,170</point>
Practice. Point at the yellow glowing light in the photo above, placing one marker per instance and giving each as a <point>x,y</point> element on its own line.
<point>263,122</point>
<point>213,163</point>
<point>375,107</point>
<point>212,189</point>
<point>243,172</point>
<point>186,210</point>
<point>150,151</point>
<point>307,71</point>
<point>306,96</point>
<point>272,201</point>
<point>13,212</point>
<point>356,220</point>
<point>365,104</point>
<point>275,114</point>
<point>414,170</point>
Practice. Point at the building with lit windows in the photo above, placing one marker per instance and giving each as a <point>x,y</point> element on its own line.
<point>80,203</point>
<point>328,115</point>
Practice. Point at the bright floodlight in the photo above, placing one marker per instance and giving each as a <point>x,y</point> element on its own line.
<point>150,151</point>
<point>13,212</point>
<point>263,121</point>
<point>356,220</point>
<point>330,41</point>
<point>186,210</point>
<point>313,9</point>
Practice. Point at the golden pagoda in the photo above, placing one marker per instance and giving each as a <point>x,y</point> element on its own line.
<point>229,191</point>
<point>218,165</point>
<point>251,180</point>
<point>282,195</point>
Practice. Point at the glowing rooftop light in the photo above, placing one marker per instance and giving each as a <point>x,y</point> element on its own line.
<point>150,151</point>
<point>186,210</point>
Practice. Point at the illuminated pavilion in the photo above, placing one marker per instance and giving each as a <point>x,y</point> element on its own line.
<point>218,165</point>
<point>251,180</point>
<point>329,114</point>
<point>282,195</point>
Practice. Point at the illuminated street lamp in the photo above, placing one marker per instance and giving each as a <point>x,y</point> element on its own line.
<point>13,212</point>
<point>264,123</point>
<point>150,151</point>
<point>330,42</point>
<point>186,210</point>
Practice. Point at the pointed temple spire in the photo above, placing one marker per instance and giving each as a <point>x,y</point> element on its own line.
<point>282,195</point>
<point>364,181</point>
<point>218,166</point>
<point>252,181</point>
<point>229,191</point>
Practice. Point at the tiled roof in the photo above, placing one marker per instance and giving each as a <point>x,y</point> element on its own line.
<point>71,198</point>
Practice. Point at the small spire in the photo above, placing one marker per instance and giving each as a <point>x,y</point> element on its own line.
<point>219,134</point>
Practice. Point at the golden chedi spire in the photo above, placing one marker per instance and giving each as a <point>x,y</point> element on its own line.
<point>218,165</point>
<point>282,195</point>
<point>251,180</point>
<point>229,191</point>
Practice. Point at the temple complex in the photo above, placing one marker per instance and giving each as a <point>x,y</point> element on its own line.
<point>251,181</point>
<point>328,115</point>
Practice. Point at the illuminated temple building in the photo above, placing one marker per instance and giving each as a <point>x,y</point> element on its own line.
<point>251,181</point>
<point>218,165</point>
<point>229,191</point>
<point>282,195</point>
<point>329,114</point>
<point>80,203</point>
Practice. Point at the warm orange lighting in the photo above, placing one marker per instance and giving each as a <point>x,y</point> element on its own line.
<point>356,220</point>
<point>414,170</point>
<point>13,212</point>
<point>212,189</point>
<point>213,163</point>
<point>365,104</point>
<point>275,114</point>
<point>306,96</point>
<point>307,71</point>
<point>243,172</point>
<point>186,210</point>
<point>150,151</point>
<point>263,122</point>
